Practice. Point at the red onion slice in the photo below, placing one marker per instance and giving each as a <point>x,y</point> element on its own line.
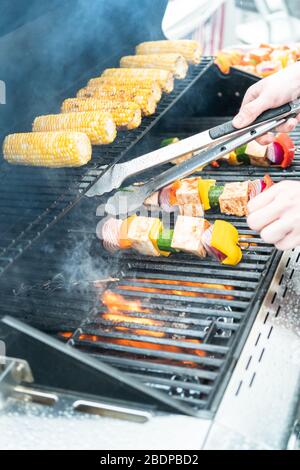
<point>255,188</point>
<point>164,200</point>
<point>275,153</point>
<point>206,240</point>
<point>263,185</point>
<point>111,234</point>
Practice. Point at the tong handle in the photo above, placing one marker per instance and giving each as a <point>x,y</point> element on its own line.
<point>227,128</point>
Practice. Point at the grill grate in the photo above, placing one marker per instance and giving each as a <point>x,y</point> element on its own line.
<point>32,199</point>
<point>199,322</point>
<point>181,338</point>
<point>187,341</point>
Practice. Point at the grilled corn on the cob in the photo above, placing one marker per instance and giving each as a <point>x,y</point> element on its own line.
<point>175,63</point>
<point>97,125</point>
<point>188,48</point>
<point>163,77</point>
<point>143,98</point>
<point>128,85</point>
<point>126,114</point>
<point>50,149</point>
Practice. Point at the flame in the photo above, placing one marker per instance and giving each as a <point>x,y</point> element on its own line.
<point>117,304</point>
<point>65,334</point>
<point>244,244</point>
<point>157,290</point>
<point>120,310</point>
<point>121,318</point>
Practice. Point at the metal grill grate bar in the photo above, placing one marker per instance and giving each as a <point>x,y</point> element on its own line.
<point>160,354</point>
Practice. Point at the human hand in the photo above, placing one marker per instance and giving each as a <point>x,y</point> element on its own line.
<point>270,92</point>
<point>275,213</point>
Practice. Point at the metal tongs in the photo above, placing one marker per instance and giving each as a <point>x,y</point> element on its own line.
<point>209,145</point>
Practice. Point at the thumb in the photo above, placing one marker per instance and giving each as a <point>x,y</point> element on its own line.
<point>249,112</point>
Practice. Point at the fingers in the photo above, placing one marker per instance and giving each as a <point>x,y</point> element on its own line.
<point>288,242</point>
<point>266,215</point>
<point>288,126</point>
<point>251,94</point>
<point>266,139</point>
<point>276,231</point>
<point>275,214</point>
<point>263,199</point>
<point>249,112</point>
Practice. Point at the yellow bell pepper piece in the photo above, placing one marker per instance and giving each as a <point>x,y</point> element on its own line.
<point>124,241</point>
<point>225,238</point>
<point>232,159</point>
<point>154,234</point>
<point>203,188</point>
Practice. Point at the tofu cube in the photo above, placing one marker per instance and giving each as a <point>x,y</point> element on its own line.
<point>254,149</point>
<point>139,235</point>
<point>188,199</point>
<point>187,235</point>
<point>234,199</point>
<point>193,210</point>
<point>258,161</point>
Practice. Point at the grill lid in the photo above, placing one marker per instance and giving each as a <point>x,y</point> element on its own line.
<point>77,372</point>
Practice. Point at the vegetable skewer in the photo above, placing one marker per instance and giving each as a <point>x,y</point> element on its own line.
<point>193,235</point>
<point>193,196</point>
<point>280,152</point>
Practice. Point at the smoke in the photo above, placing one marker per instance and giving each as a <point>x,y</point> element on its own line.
<point>80,267</point>
<point>2,92</point>
<point>2,352</point>
<point>48,50</point>
<point>52,50</point>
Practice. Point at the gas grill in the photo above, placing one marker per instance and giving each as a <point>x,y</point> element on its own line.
<point>140,337</point>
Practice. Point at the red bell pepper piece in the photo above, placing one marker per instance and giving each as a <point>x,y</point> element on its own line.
<point>268,181</point>
<point>173,189</point>
<point>288,147</point>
